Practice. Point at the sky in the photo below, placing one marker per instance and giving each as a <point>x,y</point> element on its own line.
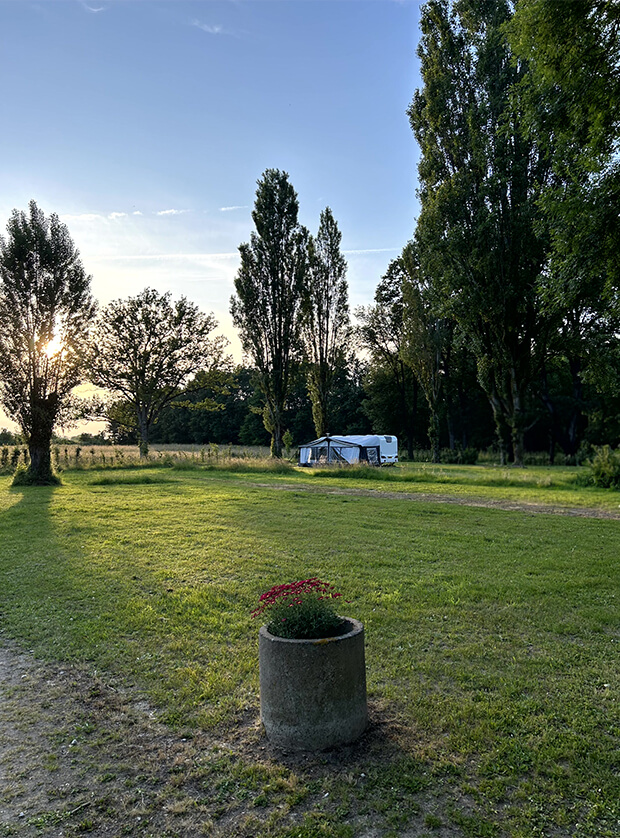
<point>145,125</point>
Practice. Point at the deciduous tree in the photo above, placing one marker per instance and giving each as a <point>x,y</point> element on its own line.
<point>380,334</point>
<point>569,100</point>
<point>46,309</point>
<point>147,348</point>
<point>427,338</point>
<point>479,234</point>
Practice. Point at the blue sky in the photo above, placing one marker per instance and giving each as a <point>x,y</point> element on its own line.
<point>145,125</point>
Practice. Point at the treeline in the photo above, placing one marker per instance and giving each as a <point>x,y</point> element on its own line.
<point>498,323</point>
<point>511,278</point>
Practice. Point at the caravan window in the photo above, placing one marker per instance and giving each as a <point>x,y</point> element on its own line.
<point>388,439</point>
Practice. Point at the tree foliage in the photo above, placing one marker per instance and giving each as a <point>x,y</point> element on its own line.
<point>326,329</point>
<point>393,387</point>
<point>478,235</point>
<point>46,310</point>
<point>572,88</point>
<point>570,104</point>
<point>269,288</point>
<point>145,351</point>
<point>427,337</point>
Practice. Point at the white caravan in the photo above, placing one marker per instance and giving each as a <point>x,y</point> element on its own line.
<point>371,448</point>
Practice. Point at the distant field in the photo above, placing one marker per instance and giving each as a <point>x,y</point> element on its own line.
<point>492,635</point>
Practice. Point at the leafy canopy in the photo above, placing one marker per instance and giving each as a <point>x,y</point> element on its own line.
<point>269,289</point>
<point>46,311</point>
<point>146,349</point>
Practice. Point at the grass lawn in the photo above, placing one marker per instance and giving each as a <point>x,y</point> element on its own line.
<point>492,636</point>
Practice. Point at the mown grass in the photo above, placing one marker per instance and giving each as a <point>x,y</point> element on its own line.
<point>539,485</point>
<point>492,636</point>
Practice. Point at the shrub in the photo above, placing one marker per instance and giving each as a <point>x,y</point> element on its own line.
<point>24,477</point>
<point>459,456</point>
<point>301,610</point>
<point>605,468</point>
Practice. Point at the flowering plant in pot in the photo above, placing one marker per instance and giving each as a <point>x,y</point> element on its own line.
<point>312,668</point>
<point>301,610</point>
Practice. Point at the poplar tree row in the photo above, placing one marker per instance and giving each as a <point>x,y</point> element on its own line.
<point>515,258</point>
<point>291,304</point>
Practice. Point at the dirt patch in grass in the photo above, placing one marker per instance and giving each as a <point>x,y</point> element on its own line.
<point>431,497</point>
<point>80,755</point>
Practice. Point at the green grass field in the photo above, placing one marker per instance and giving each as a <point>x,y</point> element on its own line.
<point>492,635</point>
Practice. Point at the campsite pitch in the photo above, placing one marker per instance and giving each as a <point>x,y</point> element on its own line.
<point>491,647</point>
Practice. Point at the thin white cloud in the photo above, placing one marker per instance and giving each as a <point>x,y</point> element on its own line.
<point>94,10</point>
<point>211,30</point>
<point>171,212</point>
<point>136,212</point>
<point>114,215</point>
<point>216,29</point>
<point>231,209</point>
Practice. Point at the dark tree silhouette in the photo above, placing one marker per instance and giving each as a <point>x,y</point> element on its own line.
<point>270,284</point>
<point>46,310</point>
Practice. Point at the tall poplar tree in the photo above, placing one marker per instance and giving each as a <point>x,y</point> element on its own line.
<point>480,181</point>
<point>427,338</point>
<point>326,326</point>
<point>570,100</point>
<point>270,286</point>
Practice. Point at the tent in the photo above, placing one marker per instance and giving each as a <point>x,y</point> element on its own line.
<point>349,450</point>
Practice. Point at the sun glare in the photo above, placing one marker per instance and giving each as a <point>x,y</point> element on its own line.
<point>54,347</point>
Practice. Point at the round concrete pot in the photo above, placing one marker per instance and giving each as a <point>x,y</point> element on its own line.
<point>313,692</point>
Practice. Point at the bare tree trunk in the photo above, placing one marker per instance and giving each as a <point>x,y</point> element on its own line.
<point>276,441</point>
<point>39,441</point>
<point>517,421</point>
<point>143,430</point>
<point>40,468</point>
<point>433,433</point>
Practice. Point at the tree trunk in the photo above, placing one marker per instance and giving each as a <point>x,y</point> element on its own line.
<point>319,416</point>
<point>518,445</point>
<point>276,441</point>
<point>548,402</point>
<point>575,425</point>
<point>40,469</point>
<point>501,427</point>
<point>517,421</point>
<point>409,416</point>
<point>433,435</point>
<point>143,430</point>
<point>39,440</point>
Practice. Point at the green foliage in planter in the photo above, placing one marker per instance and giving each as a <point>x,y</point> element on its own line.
<point>301,610</point>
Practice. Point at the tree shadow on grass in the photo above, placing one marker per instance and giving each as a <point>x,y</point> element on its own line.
<point>27,577</point>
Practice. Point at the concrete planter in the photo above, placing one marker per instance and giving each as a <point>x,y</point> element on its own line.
<point>313,692</point>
